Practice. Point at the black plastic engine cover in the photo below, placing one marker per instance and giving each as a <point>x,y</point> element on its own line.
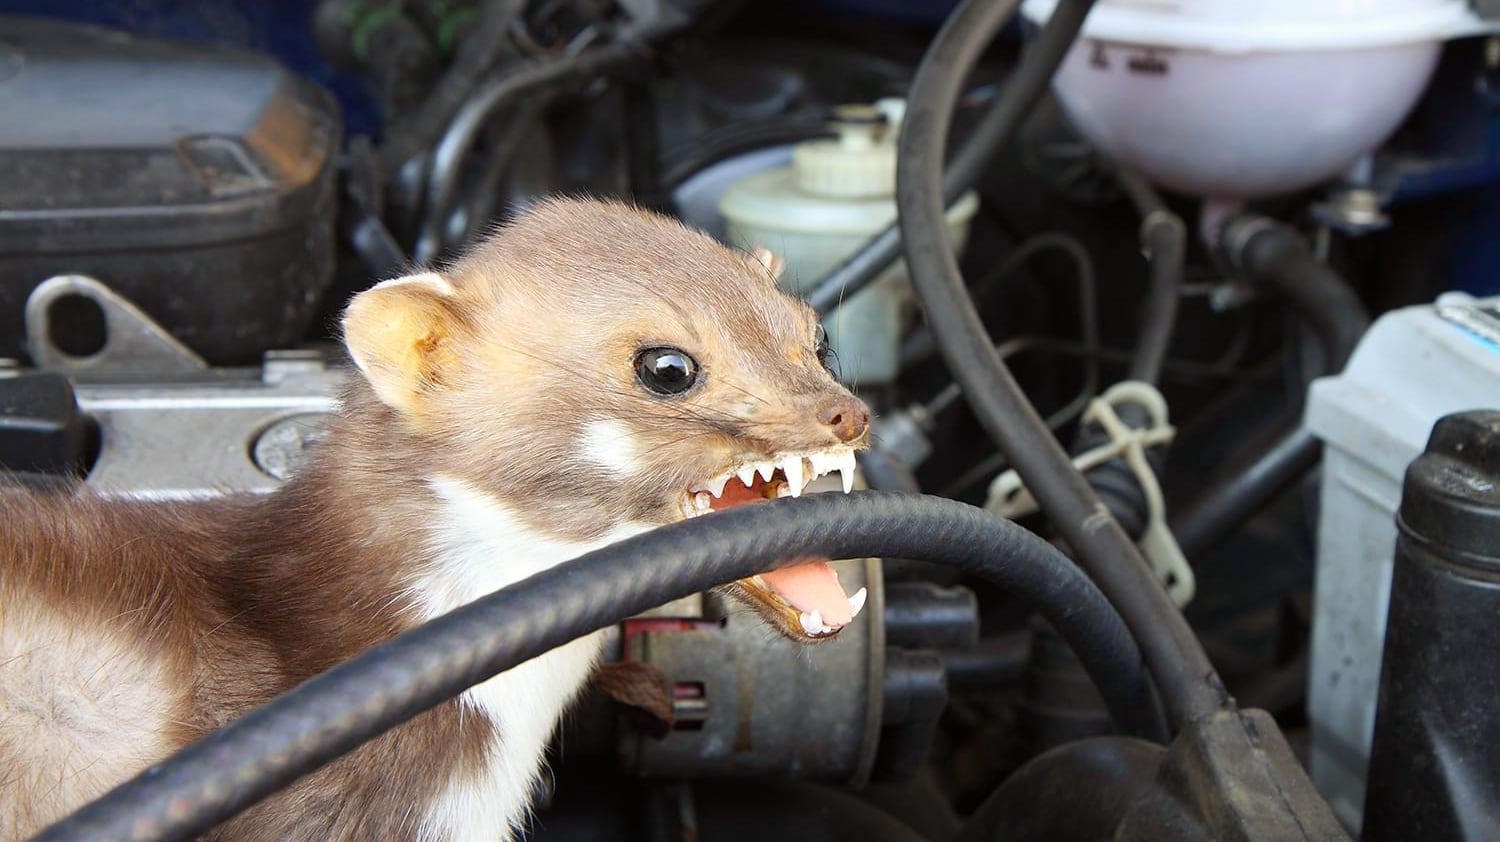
<point>196,180</point>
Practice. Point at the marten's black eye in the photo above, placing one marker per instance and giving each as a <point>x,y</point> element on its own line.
<point>820,345</point>
<point>666,370</point>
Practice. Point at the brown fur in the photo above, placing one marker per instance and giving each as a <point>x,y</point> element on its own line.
<point>240,600</point>
<point>198,612</point>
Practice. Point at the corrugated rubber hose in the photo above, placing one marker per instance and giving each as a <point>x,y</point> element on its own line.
<point>330,714</point>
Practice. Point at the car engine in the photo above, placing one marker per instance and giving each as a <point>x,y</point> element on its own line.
<point>1207,294</point>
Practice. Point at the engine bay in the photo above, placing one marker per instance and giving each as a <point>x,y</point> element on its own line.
<point>1206,298</point>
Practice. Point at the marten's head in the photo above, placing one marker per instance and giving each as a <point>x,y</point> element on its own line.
<point>592,365</point>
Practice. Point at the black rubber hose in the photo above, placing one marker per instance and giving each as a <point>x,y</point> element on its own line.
<point>995,130</point>
<point>504,91</point>
<point>1189,687</point>
<point>1273,256</point>
<point>1237,494</point>
<point>273,745</point>
<point>1164,239</point>
<point>482,48</point>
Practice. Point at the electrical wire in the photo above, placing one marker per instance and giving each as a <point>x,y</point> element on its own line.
<point>1088,313</point>
<point>1272,255</point>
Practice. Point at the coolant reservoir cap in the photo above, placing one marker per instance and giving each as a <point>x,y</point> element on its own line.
<point>858,164</point>
<point>1451,496</point>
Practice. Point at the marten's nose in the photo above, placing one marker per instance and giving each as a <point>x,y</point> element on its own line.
<point>846,416</point>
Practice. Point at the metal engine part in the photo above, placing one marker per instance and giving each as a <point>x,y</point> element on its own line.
<point>170,427</point>
<point>739,693</point>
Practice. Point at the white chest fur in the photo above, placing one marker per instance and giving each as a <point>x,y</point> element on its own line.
<point>482,547</point>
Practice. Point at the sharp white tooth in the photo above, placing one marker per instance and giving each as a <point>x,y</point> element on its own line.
<point>765,469</point>
<point>812,622</point>
<point>846,470</point>
<point>715,486</point>
<point>857,603</point>
<point>746,473</point>
<point>792,467</point>
<point>702,501</point>
<point>822,463</point>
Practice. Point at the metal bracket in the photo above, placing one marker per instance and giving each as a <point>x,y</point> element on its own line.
<point>132,342</point>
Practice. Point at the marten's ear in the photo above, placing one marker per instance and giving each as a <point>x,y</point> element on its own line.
<point>765,259</point>
<point>399,334</point>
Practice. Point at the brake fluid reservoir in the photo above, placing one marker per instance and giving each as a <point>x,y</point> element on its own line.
<point>835,196</point>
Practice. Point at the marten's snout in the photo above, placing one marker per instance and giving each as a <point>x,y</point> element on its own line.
<point>846,416</point>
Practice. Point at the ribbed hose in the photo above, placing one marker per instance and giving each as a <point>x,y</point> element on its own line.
<point>1189,687</point>
<point>270,747</point>
<point>995,130</point>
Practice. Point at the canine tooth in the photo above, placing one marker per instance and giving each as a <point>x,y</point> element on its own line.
<point>857,603</point>
<point>765,469</point>
<point>746,473</point>
<point>716,485</point>
<point>812,622</point>
<point>792,467</point>
<point>846,469</point>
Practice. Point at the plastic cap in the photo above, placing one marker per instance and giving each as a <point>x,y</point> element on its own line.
<point>861,162</point>
<point>1451,499</point>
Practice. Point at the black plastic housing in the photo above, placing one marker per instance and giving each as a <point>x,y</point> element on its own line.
<point>196,180</point>
<point>1433,763</point>
<point>42,431</point>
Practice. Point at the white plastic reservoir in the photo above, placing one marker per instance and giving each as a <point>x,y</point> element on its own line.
<point>1241,99</point>
<point>836,195</point>
<point>1412,367</point>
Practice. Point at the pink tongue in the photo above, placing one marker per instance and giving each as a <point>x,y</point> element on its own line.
<point>812,587</point>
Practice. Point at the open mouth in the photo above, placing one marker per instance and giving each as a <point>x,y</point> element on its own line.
<point>807,598</point>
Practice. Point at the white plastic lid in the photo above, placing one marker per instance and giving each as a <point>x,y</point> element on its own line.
<point>861,162</point>
<point>772,200</point>
<point>840,187</point>
<point>1240,26</point>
